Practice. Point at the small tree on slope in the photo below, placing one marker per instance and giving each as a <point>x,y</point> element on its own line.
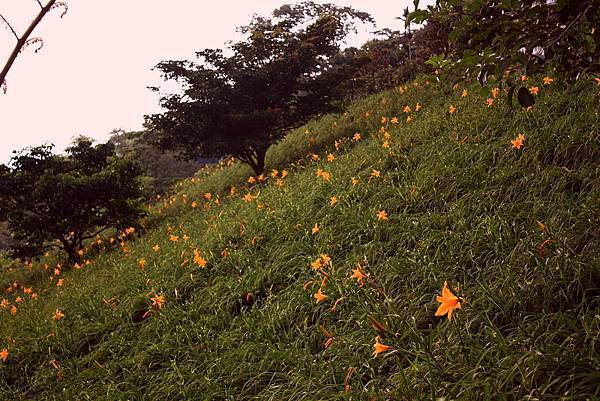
<point>60,201</point>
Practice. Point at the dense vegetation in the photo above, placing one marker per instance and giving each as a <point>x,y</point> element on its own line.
<point>275,79</point>
<point>431,241</point>
<point>218,299</point>
<point>59,201</point>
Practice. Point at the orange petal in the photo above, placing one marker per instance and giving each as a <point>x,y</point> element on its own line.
<point>443,309</point>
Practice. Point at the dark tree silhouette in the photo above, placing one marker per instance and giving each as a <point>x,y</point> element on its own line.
<point>274,80</point>
<point>60,201</point>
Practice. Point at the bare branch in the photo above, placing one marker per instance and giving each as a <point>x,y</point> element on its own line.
<point>22,41</point>
<point>9,26</point>
<point>40,3</point>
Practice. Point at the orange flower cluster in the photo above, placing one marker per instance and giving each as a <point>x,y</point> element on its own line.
<point>517,143</point>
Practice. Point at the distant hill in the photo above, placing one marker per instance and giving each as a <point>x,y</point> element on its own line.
<point>162,168</point>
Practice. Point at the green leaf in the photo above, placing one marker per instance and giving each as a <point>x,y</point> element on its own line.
<point>511,92</point>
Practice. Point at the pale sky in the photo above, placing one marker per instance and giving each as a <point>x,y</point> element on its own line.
<point>92,73</point>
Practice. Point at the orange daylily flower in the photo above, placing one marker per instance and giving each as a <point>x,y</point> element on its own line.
<point>142,263</point>
<point>385,144</point>
<point>534,90</point>
<point>384,120</point>
<point>315,229</point>
<point>354,181</point>
<point>358,275</point>
<point>317,264</point>
<point>394,120</point>
<point>548,80</point>
<point>495,92</point>
<point>173,238</point>
<point>489,101</point>
<point>333,200</point>
<point>356,137</point>
<point>465,93</point>
<point>58,314</point>
<point>158,301</point>
<point>319,296</point>
<point>448,301</point>
<point>323,174</point>
<point>249,197</point>
<point>4,354</point>
<point>194,204</point>
<point>518,141</point>
<point>418,107</point>
<point>406,109</point>
<point>382,215</point>
<point>451,109</point>
<point>225,253</point>
<point>13,310</point>
<point>284,173</point>
<point>199,260</point>
<point>156,248</point>
<point>330,157</point>
<point>379,347</point>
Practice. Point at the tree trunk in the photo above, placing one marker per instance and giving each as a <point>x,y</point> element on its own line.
<point>260,161</point>
<point>255,159</point>
<point>71,251</point>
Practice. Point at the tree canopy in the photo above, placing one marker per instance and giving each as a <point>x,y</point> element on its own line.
<point>52,200</point>
<point>499,41</point>
<point>242,101</point>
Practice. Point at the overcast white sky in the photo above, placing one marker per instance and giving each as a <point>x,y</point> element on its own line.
<point>92,73</point>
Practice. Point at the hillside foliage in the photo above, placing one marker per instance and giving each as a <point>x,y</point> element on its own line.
<point>55,201</point>
<point>321,281</point>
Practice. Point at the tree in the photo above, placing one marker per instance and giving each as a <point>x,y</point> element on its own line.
<point>60,201</point>
<point>499,40</point>
<point>23,41</point>
<point>272,81</point>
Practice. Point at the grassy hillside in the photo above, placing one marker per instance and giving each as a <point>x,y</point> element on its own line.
<point>514,232</point>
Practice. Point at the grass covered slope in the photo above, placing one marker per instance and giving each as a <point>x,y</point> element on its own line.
<point>514,232</point>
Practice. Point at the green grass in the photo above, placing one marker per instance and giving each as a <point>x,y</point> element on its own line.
<point>463,206</point>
